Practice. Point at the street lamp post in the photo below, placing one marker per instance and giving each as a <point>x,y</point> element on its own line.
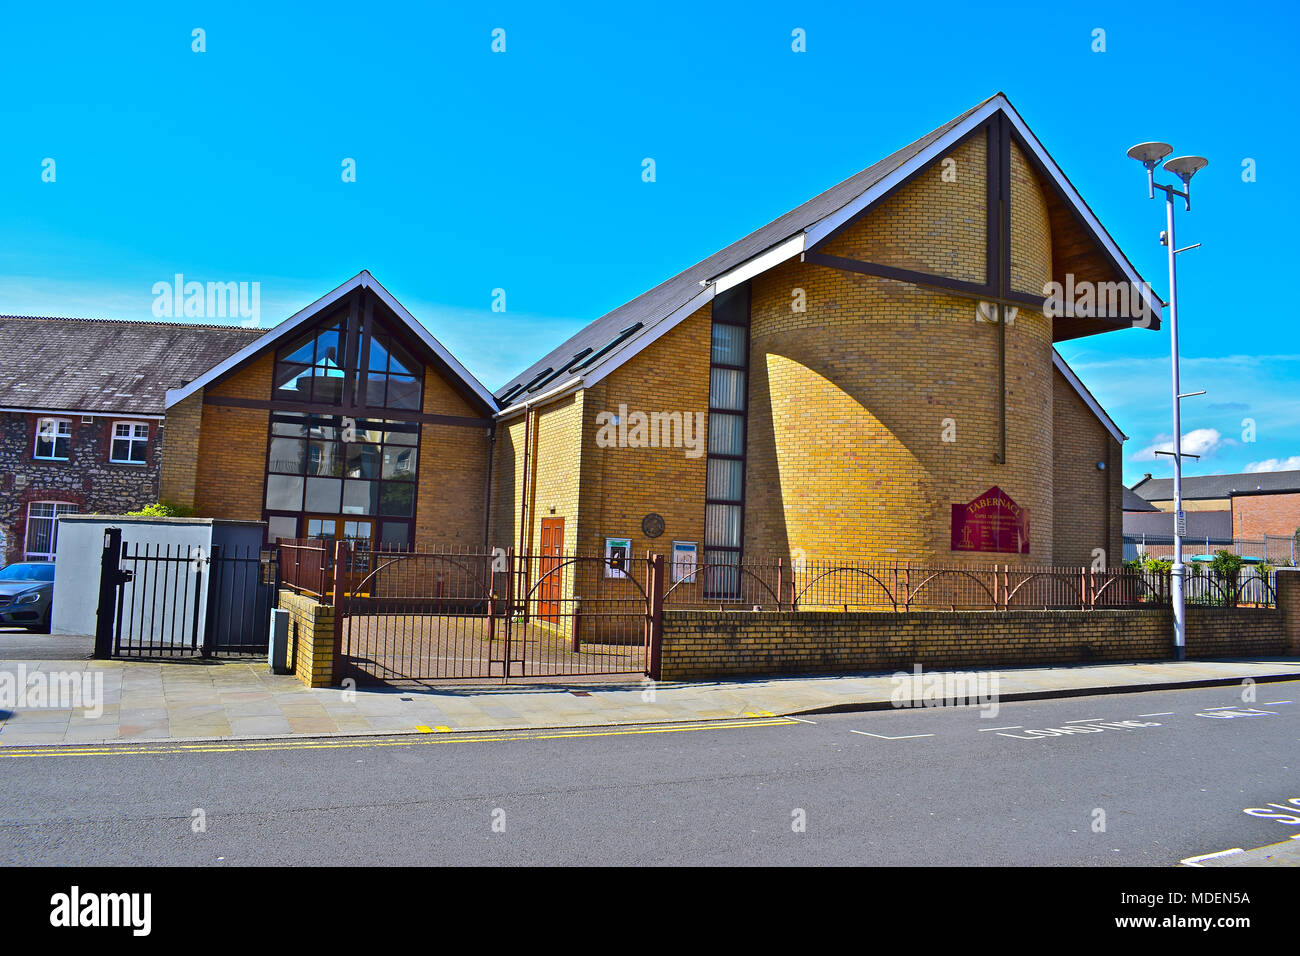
<point>1184,167</point>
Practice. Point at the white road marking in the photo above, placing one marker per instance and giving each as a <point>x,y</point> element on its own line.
<point>985,730</point>
<point>1167,713</point>
<point>883,737</point>
<point>1195,860</point>
<point>1085,720</point>
<point>800,719</point>
<point>1274,703</point>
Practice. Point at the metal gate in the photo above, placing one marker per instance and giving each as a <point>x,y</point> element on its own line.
<point>479,615</point>
<point>178,601</point>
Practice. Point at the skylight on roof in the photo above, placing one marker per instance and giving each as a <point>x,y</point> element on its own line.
<point>610,346</point>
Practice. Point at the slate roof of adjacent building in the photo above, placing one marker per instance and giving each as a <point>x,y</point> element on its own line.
<point>1220,486</point>
<point>1135,502</point>
<point>106,365</point>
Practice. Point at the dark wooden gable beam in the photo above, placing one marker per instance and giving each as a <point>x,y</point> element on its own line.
<point>1076,218</point>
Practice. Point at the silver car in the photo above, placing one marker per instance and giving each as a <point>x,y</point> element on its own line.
<point>26,595</point>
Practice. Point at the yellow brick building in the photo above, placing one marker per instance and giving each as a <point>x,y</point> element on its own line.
<point>872,375</point>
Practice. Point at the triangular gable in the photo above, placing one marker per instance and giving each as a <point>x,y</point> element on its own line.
<point>304,317</point>
<point>799,232</point>
<point>1093,405</point>
<point>1039,158</point>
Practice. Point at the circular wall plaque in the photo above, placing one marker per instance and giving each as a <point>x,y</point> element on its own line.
<point>652,525</point>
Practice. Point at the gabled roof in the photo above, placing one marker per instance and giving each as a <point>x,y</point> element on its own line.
<point>1087,396</point>
<point>1220,486</point>
<point>362,280</point>
<point>652,314</point>
<point>106,365</point>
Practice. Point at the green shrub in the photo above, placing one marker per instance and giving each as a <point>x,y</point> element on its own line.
<point>1157,565</point>
<point>1226,565</point>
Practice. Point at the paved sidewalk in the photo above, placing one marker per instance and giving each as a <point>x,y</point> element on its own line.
<point>195,700</point>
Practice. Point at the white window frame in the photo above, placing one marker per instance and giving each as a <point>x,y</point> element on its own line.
<point>130,439</point>
<point>57,431</point>
<point>67,507</point>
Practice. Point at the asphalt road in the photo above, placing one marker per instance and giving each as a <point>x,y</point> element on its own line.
<point>907,787</point>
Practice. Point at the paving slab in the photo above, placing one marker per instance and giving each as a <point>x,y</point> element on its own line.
<point>241,699</point>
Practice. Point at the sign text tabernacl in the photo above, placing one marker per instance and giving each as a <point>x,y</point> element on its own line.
<point>990,522</point>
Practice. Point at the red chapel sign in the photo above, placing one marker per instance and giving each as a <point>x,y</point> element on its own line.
<point>991,522</point>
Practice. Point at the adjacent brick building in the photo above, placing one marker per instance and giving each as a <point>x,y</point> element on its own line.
<point>1249,505</point>
<point>81,417</point>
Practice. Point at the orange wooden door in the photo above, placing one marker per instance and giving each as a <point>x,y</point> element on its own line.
<point>552,552</point>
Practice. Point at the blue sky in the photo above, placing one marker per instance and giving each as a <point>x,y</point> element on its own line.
<point>522,170</point>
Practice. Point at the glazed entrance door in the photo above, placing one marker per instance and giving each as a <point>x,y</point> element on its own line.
<point>357,532</point>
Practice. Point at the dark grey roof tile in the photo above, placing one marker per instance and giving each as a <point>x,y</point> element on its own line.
<point>106,365</point>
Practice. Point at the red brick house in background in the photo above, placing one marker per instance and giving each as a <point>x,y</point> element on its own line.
<point>1257,513</point>
<point>81,416</point>
<point>1250,505</point>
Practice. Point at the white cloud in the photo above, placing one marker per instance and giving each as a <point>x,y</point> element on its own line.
<point>1275,464</point>
<point>1199,441</point>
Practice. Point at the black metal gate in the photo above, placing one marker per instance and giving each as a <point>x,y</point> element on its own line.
<point>420,616</point>
<point>179,601</point>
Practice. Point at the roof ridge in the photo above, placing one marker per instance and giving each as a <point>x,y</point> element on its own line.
<point>158,322</point>
<point>662,296</point>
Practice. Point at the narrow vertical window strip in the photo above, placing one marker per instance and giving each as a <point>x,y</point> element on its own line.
<point>724,518</point>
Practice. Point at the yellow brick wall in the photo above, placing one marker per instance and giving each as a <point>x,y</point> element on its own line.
<point>180,460</point>
<point>623,485</point>
<point>231,474</point>
<point>620,486</point>
<point>604,492</point>
<point>1031,234</point>
<point>937,223</point>
<point>702,645</point>
<point>311,638</point>
<point>848,399</point>
<point>557,430</point>
<point>451,498</point>
<point>1089,502</point>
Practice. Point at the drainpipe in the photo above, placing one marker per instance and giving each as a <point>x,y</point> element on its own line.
<point>487,493</point>
<point>523,492</point>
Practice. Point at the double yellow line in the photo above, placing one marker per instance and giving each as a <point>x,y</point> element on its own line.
<point>420,738</point>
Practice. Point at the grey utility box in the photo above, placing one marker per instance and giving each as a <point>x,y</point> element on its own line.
<point>277,651</point>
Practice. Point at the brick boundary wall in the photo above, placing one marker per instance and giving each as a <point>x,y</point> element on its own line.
<point>699,645</point>
<point>1288,606</point>
<point>311,638</point>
